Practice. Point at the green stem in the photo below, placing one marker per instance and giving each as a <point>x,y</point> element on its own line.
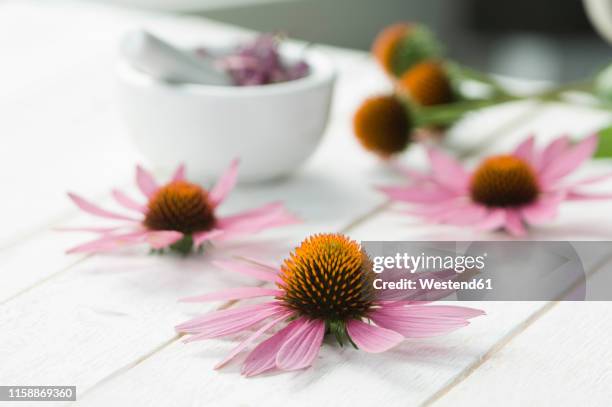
<point>444,115</point>
<point>465,72</point>
<point>555,93</point>
<point>584,85</point>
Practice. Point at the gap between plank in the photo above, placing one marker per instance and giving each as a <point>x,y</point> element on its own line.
<point>515,332</point>
<point>45,279</point>
<point>59,218</point>
<point>24,237</point>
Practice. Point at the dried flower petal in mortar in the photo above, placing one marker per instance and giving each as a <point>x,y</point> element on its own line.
<point>260,63</point>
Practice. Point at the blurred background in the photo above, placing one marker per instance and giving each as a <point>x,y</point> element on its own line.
<point>545,39</point>
<point>61,125</point>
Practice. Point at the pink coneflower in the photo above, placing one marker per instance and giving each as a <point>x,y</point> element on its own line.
<point>179,215</point>
<point>504,191</point>
<point>324,287</point>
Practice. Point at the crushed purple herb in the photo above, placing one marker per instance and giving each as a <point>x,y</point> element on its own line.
<point>259,63</point>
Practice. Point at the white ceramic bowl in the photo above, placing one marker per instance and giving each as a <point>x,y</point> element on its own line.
<point>271,128</point>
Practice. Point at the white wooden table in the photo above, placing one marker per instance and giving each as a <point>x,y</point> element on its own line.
<point>105,323</point>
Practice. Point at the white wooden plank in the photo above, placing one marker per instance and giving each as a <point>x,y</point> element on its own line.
<point>563,359</point>
<point>182,374</point>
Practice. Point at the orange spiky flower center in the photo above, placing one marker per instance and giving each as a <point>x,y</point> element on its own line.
<point>382,125</point>
<point>328,277</point>
<point>386,43</point>
<point>180,206</point>
<point>504,181</point>
<point>427,83</point>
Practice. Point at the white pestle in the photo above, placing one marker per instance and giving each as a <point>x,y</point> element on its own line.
<point>156,57</point>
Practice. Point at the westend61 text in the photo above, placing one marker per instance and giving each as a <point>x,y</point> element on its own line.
<point>433,284</point>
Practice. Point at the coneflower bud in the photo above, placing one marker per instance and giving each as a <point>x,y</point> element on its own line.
<point>383,125</point>
<point>426,84</point>
<point>400,46</point>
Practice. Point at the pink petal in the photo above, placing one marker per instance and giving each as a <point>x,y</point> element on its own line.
<point>569,161</point>
<point>255,220</point>
<point>584,196</point>
<point>201,237</point>
<point>495,219</point>
<point>552,152</point>
<point>147,184</point>
<point>410,173</point>
<point>110,242</point>
<point>163,238</point>
<point>273,207</point>
<point>371,338</point>
<point>249,270</point>
<point>96,210</point>
<point>251,339</point>
<point>128,202</point>
<point>447,171</point>
<point>448,311</point>
<point>302,346</point>
<point>435,208</point>
<point>263,357</point>
<point>468,215</point>
<point>229,321</point>
<point>418,194</point>
<point>102,231</point>
<point>514,223</point>
<point>525,150</point>
<point>544,210</point>
<point>587,181</point>
<point>459,214</point>
<point>422,321</point>
<point>235,294</point>
<point>179,174</point>
<point>225,184</point>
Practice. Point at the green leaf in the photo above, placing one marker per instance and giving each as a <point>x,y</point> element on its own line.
<point>604,148</point>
